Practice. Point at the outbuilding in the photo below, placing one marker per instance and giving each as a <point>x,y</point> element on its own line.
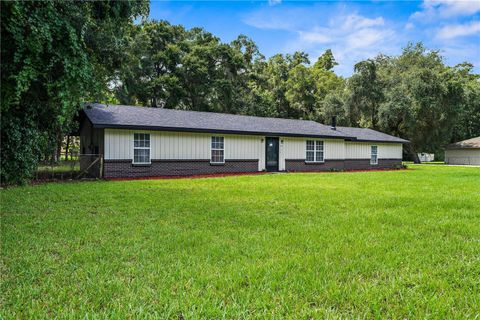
<point>145,142</point>
<point>465,152</point>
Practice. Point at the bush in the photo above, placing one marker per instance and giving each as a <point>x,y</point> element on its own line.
<point>21,145</point>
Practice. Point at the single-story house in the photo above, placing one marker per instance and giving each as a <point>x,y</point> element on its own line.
<point>143,142</point>
<point>463,152</point>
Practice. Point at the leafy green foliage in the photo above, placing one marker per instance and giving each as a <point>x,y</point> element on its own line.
<point>54,55</point>
<point>414,96</point>
<point>336,245</point>
<point>167,66</point>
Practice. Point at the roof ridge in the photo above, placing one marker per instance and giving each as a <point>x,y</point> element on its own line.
<point>204,112</point>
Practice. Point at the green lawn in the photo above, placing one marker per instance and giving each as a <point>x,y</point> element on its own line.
<point>64,166</point>
<point>397,244</point>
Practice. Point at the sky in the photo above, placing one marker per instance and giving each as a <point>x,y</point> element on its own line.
<point>353,30</point>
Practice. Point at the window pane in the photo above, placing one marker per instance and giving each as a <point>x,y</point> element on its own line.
<point>141,155</point>
<point>217,156</point>
<point>147,140</point>
<point>310,156</point>
<point>217,142</point>
<point>310,145</point>
<point>319,155</point>
<point>319,145</point>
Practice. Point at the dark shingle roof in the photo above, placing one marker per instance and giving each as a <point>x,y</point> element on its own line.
<point>365,134</point>
<point>472,143</point>
<point>131,117</point>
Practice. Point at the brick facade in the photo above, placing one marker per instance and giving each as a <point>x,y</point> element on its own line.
<point>125,168</point>
<point>364,164</point>
<point>298,165</point>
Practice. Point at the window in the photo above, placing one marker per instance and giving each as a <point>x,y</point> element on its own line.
<point>141,148</point>
<point>374,155</point>
<point>217,150</point>
<point>314,151</point>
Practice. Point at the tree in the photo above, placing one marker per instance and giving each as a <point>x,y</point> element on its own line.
<point>329,89</point>
<point>468,123</point>
<point>300,92</point>
<point>149,74</point>
<point>53,57</point>
<point>366,94</point>
<point>422,99</point>
<point>326,61</point>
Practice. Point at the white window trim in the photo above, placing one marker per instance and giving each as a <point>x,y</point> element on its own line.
<point>144,148</point>
<point>371,154</point>
<point>315,151</point>
<point>211,149</point>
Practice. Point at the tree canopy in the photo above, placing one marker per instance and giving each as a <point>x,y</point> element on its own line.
<point>54,55</point>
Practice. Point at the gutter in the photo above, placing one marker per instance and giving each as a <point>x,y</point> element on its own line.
<point>199,130</point>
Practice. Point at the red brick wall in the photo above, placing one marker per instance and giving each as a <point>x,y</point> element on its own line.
<point>125,168</point>
<point>352,164</point>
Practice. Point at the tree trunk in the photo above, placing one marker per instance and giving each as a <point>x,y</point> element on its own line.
<point>67,147</point>
<point>58,151</point>
<point>411,151</point>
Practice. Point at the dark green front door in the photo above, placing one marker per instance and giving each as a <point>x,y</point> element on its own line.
<point>271,154</point>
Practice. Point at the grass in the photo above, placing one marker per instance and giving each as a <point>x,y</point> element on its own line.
<point>64,166</point>
<point>430,162</point>
<point>398,244</point>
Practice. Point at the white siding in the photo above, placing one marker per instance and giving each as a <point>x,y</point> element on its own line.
<point>182,145</point>
<point>357,150</point>
<point>390,151</point>
<point>242,147</point>
<point>261,162</point>
<point>334,149</point>
<point>196,146</point>
<point>295,148</point>
<point>281,153</point>
<point>361,150</point>
<point>463,156</point>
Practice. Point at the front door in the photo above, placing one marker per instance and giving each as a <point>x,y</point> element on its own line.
<point>271,154</point>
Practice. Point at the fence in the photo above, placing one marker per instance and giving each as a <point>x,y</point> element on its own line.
<point>78,167</point>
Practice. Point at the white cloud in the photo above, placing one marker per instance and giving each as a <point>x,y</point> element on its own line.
<point>458,30</point>
<point>351,36</point>
<point>355,21</point>
<point>315,36</point>
<point>409,26</point>
<point>435,9</point>
<point>351,32</point>
<point>366,38</point>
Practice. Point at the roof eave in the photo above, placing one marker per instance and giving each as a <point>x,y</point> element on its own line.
<point>199,130</point>
<point>382,141</point>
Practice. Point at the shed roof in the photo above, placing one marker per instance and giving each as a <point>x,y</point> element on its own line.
<point>145,118</point>
<point>472,143</point>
